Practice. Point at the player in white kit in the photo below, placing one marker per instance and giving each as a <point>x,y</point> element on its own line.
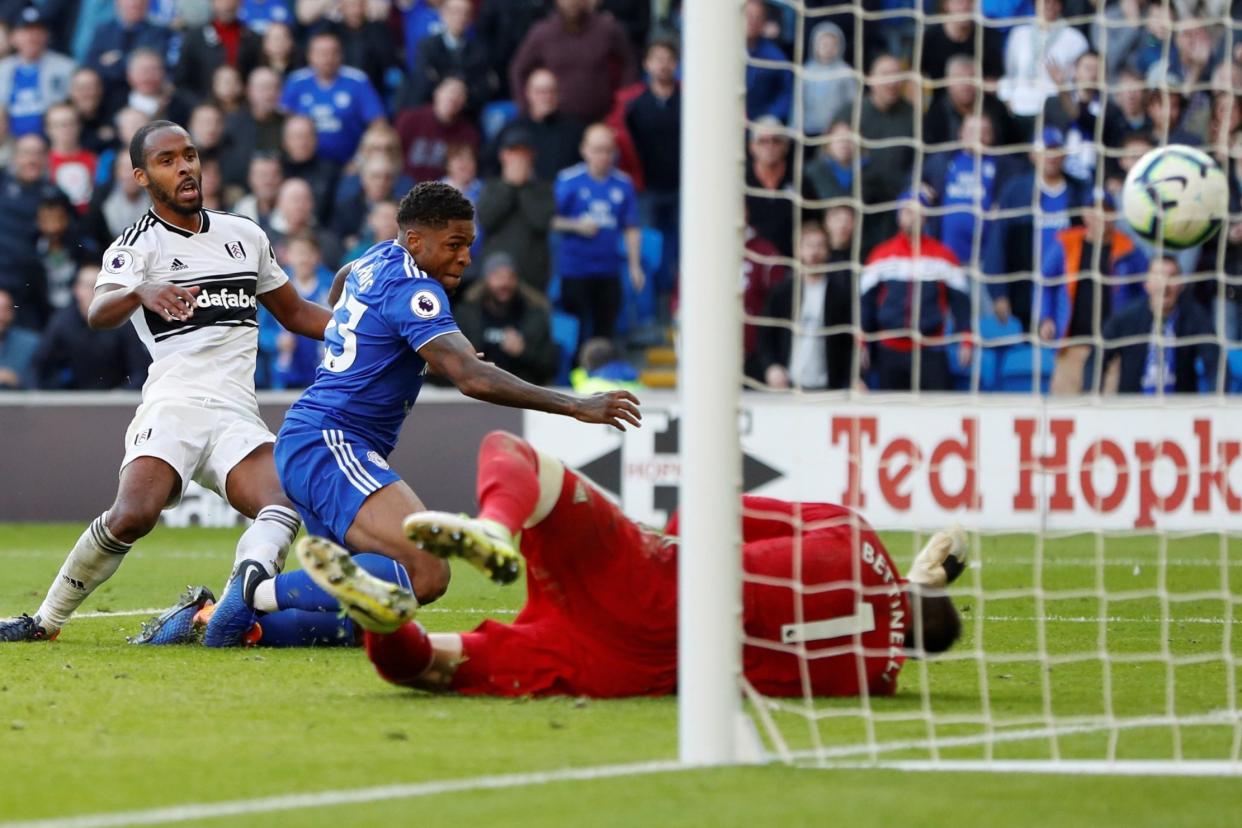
<point>190,280</point>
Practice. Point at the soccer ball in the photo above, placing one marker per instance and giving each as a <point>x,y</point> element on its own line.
<point>1176,196</point>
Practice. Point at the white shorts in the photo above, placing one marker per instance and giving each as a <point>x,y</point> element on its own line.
<point>201,440</point>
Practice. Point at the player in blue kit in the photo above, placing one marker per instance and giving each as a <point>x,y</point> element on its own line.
<point>391,324</point>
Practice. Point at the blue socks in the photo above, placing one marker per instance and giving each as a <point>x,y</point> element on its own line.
<point>300,628</point>
<point>310,617</point>
<point>296,590</point>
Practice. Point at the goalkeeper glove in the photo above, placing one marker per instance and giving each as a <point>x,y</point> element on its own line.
<point>942,559</point>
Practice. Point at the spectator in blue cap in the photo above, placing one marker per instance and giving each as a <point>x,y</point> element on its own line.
<point>33,77</point>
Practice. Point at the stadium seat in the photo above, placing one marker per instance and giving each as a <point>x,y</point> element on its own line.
<point>996,339</point>
<point>638,308</point>
<point>991,328</point>
<point>565,335</point>
<point>495,116</point>
<point>1233,382</point>
<point>1019,364</point>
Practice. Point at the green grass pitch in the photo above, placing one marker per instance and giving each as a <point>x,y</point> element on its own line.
<point>90,725</point>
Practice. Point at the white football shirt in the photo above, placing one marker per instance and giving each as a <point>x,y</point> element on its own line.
<point>212,354</point>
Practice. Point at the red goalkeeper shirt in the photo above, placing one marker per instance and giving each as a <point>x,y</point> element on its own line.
<point>601,612</point>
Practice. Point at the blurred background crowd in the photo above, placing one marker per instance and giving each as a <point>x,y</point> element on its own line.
<point>930,185</point>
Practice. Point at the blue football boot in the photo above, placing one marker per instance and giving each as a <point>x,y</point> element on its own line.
<point>175,625</point>
<point>234,615</point>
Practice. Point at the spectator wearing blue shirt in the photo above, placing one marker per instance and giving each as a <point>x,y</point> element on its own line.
<point>420,19</point>
<point>339,99</point>
<point>113,41</point>
<point>967,190</point>
<point>34,77</point>
<point>1035,206</point>
<point>292,359</point>
<point>595,208</point>
<point>768,91</point>
<point>258,15</point>
<point>1146,347</point>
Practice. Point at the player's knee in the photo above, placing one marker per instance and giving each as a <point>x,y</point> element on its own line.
<point>130,521</point>
<point>430,580</point>
<point>935,626</point>
<point>501,441</point>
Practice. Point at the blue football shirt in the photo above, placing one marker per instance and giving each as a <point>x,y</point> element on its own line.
<point>371,371</point>
<point>26,103</point>
<point>969,186</point>
<point>611,203</point>
<point>341,109</point>
<point>258,15</point>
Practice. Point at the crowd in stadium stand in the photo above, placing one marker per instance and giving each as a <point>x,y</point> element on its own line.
<point>873,176</point>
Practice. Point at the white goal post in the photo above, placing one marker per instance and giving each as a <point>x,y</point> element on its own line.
<point>1099,635</point>
<point>709,663</point>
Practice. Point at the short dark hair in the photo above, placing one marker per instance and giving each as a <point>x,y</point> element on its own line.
<point>934,623</point>
<point>138,144</point>
<point>55,202</point>
<point>663,41</point>
<point>433,204</point>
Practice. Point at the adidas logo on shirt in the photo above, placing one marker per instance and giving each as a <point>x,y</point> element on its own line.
<point>177,264</point>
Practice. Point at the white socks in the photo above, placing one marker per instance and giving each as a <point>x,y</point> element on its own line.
<point>268,538</point>
<point>266,541</point>
<point>94,558</point>
<point>265,596</point>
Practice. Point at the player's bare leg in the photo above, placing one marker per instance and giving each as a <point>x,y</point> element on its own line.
<point>254,489</point>
<point>146,485</point>
<point>378,528</point>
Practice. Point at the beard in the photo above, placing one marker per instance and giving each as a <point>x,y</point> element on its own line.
<point>168,198</point>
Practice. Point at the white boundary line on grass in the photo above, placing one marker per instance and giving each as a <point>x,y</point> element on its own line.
<point>324,799</point>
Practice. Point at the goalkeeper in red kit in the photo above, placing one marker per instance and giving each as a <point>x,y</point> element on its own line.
<point>601,612</point>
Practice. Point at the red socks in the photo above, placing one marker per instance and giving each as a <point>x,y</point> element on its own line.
<point>508,480</point>
<point>402,656</point>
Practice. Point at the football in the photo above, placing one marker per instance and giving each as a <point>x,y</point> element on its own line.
<point>1176,197</point>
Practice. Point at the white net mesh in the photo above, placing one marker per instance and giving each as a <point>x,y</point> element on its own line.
<point>1098,616</point>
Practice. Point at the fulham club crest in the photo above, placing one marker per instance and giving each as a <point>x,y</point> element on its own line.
<point>236,250</point>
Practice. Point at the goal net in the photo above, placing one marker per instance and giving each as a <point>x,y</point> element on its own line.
<point>917,350</point>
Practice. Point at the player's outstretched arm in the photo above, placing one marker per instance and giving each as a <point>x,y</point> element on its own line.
<point>114,304</point>
<point>294,313</point>
<point>452,357</point>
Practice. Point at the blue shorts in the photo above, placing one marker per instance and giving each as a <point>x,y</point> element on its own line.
<point>328,473</point>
